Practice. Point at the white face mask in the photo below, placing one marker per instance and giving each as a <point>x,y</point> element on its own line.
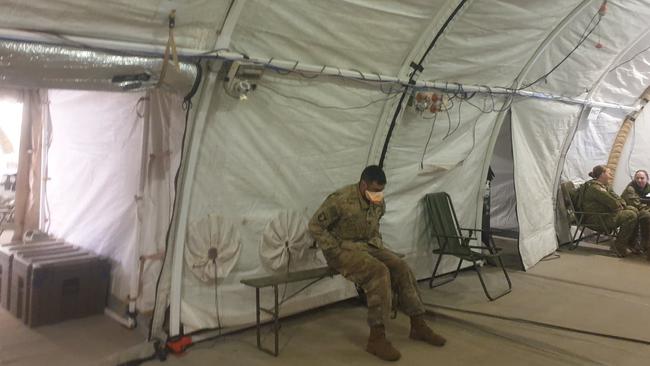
<point>375,197</point>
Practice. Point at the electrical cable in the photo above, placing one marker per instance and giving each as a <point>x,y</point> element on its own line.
<point>536,323</point>
<point>435,116</point>
<point>415,68</point>
<point>583,38</point>
<point>629,60</point>
<point>187,106</point>
<point>304,100</point>
<point>216,289</point>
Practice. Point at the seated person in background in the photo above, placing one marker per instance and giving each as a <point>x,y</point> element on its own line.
<point>639,188</point>
<point>346,228</point>
<point>605,210</point>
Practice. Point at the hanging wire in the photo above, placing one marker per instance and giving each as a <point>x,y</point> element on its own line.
<point>342,108</point>
<point>424,151</point>
<point>585,35</point>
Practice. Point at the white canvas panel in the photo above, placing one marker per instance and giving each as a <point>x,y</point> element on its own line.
<point>94,166</point>
<point>489,42</point>
<point>539,130</point>
<point>167,122</point>
<point>146,21</point>
<point>591,144</point>
<point>629,76</point>
<point>270,155</point>
<point>452,163</point>
<point>368,35</point>
<point>622,24</point>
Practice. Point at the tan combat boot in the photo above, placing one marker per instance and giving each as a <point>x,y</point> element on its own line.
<point>420,331</point>
<point>379,346</point>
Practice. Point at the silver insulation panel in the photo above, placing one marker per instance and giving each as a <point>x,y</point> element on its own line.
<point>37,65</point>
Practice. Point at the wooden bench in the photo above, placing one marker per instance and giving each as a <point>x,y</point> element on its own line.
<point>315,275</point>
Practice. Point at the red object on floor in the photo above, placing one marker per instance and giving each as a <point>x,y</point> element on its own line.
<point>179,345</point>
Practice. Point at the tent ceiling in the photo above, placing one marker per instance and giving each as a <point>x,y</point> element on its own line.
<point>367,35</point>
<point>488,42</point>
<point>143,21</point>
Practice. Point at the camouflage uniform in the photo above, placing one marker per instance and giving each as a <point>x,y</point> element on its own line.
<point>632,196</point>
<point>346,228</point>
<point>596,198</point>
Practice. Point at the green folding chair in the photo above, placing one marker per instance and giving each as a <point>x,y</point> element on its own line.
<point>454,240</point>
<point>576,216</point>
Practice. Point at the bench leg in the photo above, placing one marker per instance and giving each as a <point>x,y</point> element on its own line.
<point>257,317</point>
<point>276,320</point>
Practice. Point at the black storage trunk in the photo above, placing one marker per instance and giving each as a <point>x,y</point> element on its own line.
<point>58,287</point>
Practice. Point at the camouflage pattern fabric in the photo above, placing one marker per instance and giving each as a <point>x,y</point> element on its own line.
<point>632,195</point>
<point>605,211</point>
<point>346,228</point>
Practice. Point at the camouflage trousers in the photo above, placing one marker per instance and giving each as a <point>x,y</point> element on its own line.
<point>644,229</point>
<point>625,220</point>
<point>379,272</point>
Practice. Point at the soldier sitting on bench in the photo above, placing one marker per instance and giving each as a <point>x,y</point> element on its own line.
<point>346,228</point>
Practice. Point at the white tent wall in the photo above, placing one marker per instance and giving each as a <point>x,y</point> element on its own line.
<point>163,144</point>
<point>503,212</point>
<point>445,152</point>
<point>592,143</point>
<point>539,133</point>
<point>635,153</point>
<point>93,175</point>
<point>265,156</point>
<point>95,170</point>
<point>629,74</point>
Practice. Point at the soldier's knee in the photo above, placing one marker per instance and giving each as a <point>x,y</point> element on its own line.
<point>628,215</point>
<point>644,216</point>
<point>379,271</point>
<point>403,267</point>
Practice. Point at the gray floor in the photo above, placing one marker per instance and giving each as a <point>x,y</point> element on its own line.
<point>582,289</point>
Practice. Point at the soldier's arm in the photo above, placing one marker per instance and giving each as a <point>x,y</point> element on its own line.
<point>621,201</point>
<point>606,198</point>
<point>375,235</point>
<point>630,197</point>
<point>320,224</point>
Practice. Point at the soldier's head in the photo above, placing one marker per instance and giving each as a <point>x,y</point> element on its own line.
<point>601,173</point>
<point>372,183</point>
<point>641,178</point>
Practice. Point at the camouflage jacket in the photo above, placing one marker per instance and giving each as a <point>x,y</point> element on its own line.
<point>632,195</point>
<point>595,197</point>
<point>346,217</point>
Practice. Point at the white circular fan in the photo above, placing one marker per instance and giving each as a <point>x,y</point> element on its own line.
<point>212,248</point>
<point>285,241</point>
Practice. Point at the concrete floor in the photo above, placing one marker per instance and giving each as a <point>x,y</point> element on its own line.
<point>582,289</point>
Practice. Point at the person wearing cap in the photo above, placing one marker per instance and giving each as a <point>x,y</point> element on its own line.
<point>604,210</point>
<point>346,229</point>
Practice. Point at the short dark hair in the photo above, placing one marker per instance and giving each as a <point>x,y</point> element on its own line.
<point>641,171</point>
<point>373,173</point>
